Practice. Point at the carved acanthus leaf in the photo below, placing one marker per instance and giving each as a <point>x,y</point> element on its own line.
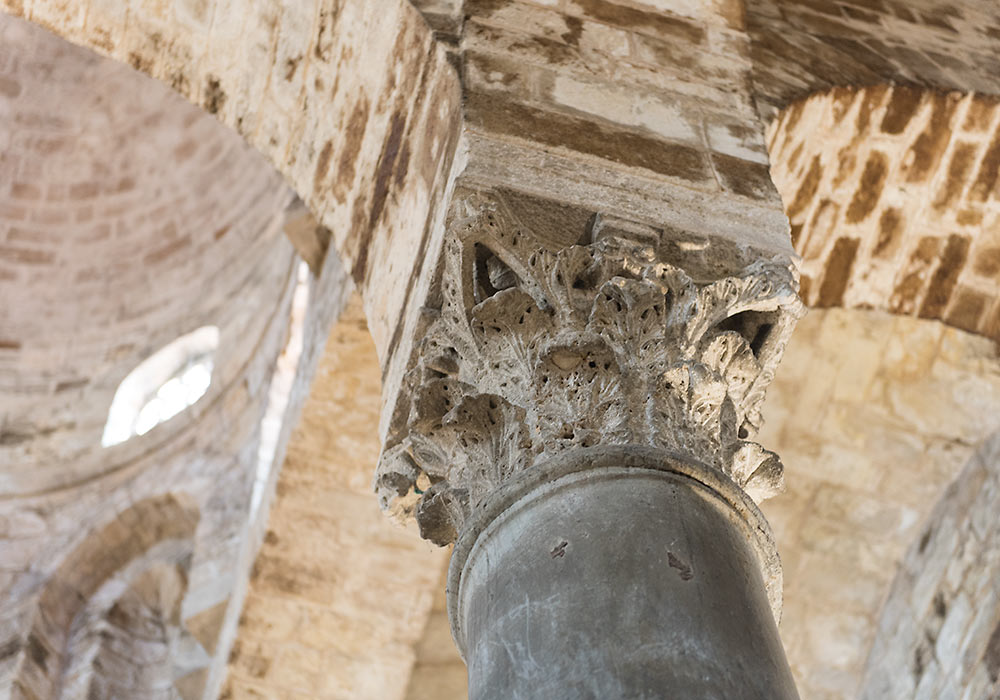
<point>540,348</point>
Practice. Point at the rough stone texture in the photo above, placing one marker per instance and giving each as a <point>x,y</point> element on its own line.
<point>937,637</point>
<point>801,47</point>
<point>338,594</point>
<point>576,335</point>
<point>641,110</point>
<point>892,197</point>
<point>874,416</point>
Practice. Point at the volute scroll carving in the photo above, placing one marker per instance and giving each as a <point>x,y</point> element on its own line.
<point>630,335</point>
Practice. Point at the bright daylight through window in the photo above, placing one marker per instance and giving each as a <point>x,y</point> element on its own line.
<point>162,386</point>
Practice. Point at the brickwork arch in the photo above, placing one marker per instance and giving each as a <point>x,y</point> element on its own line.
<point>155,529</point>
<point>893,195</point>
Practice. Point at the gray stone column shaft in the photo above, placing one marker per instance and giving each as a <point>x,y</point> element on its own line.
<point>617,582</point>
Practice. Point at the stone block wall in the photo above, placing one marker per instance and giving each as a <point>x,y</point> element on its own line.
<point>874,416</point>
<point>939,633</point>
<point>338,594</point>
<point>893,200</point>
<point>801,47</point>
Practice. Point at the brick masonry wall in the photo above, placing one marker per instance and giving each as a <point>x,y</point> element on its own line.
<point>134,218</point>
<point>894,202</point>
<point>353,102</point>
<point>124,223</point>
<point>939,634</point>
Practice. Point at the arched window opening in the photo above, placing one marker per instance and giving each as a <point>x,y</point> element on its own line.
<point>163,385</point>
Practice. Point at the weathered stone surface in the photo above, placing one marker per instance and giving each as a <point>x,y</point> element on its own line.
<point>912,232</point>
<point>629,336</point>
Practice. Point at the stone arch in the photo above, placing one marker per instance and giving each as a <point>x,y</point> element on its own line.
<point>362,124</point>
<point>893,194</point>
<point>803,47</point>
<point>153,531</point>
<point>940,626</point>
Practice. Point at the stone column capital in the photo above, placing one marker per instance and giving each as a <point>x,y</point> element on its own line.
<point>556,332</point>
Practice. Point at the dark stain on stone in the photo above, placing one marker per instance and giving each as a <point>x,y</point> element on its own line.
<point>921,657</point>
<point>932,142</point>
<point>574,30</point>
<point>890,226</point>
<point>354,135</point>
<point>484,8</point>
<point>805,286</point>
<point>652,23</point>
<point>684,571</point>
<point>37,651</point>
<point>215,98</point>
<point>869,188</point>
<point>838,272</point>
<point>991,657</point>
<point>793,160</point>
<point>323,163</point>
<point>940,605</point>
<point>499,115</point>
<point>71,384</point>
<point>322,48</point>
<point>271,537</point>
<point>743,177</point>
<point>861,15</point>
<point>906,291</point>
<point>434,167</point>
<point>807,190</point>
<point>987,264</point>
<point>962,159</point>
<point>945,276</point>
<point>559,551</point>
<point>939,19</point>
<point>403,167</point>
<point>989,170</point>
<point>967,309</point>
<point>386,162</point>
<point>969,217</point>
<point>903,104</point>
<point>291,65</point>
<point>7,344</point>
<point>793,115</point>
<point>924,541</point>
<point>140,62</point>
<point>9,648</point>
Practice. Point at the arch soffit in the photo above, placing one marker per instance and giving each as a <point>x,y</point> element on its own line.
<point>893,195</point>
<point>101,555</point>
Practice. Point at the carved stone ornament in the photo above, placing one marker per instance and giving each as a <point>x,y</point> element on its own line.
<point>633,335</point>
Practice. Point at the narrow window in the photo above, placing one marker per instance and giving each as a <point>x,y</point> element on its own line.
<point>162,386</point>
